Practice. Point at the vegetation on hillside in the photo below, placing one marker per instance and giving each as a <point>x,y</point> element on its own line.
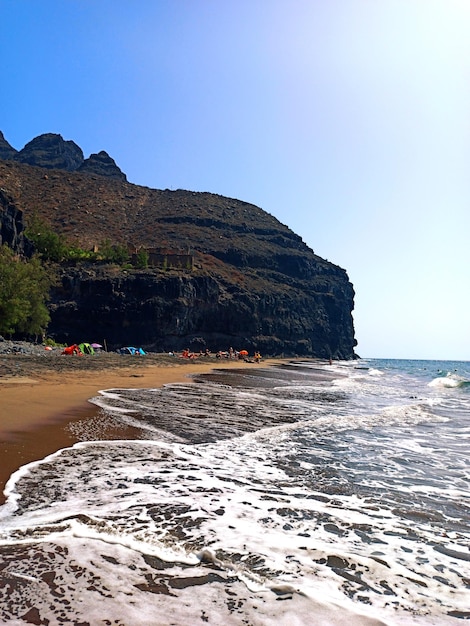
<point>86,210</point>
<point>25,284</point>
<point>24,292</point>
<point>53,247</point>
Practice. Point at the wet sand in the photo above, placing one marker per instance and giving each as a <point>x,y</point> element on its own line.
<point>39,402</point>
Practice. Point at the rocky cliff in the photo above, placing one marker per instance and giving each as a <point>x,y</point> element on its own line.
<point>253,283</point>
<point>172,310</point>
<point>6,151</point>
<point>12,227</point>
<point>52,151</point>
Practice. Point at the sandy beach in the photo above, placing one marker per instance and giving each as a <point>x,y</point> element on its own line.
<point>40,397</point>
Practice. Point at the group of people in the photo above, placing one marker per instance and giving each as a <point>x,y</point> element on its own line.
<point>239,354</point>
<point>222,354</point>
<point>187,354</point>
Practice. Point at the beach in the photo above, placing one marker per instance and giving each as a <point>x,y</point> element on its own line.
<point>262,494</point>
<point>41,395</point>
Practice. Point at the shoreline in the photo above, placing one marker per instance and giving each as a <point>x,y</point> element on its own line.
<point>36,408</point>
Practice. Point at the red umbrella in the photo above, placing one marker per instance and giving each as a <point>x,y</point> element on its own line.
<point>243,352</point>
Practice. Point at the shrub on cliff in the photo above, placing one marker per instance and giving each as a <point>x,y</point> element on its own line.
<point>113,253</point>
<point>24,291</point>
<point>52,247</point>
<point>47,243</point>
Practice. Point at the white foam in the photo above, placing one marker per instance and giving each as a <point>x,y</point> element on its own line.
<point>450,381</point>
<point>331,516</point>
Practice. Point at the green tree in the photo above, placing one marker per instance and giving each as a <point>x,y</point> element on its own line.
<point>113,253</point>
<point>10,299</point>
<point>142,260</point>
<point>47,243</point>
<point>120,254</point>
<point>24,291</point>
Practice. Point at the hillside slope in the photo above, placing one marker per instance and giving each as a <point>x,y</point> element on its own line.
<point>254,283</point>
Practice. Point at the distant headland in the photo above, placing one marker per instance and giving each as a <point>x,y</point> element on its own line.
<point>248,281</point>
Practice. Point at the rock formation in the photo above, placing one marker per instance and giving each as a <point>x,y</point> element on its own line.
<point>252,282</point>
<point>173,310</point>
<point>6,151</point>
<point>12,227</point>
<point>52,152</point>
<point>101,164</point>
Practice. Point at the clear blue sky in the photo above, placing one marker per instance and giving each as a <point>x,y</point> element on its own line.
<point>348,120</point>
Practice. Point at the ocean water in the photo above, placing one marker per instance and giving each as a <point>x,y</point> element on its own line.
<point>301,494</point>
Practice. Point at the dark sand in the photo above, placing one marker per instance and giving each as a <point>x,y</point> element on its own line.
<point>41,395</point>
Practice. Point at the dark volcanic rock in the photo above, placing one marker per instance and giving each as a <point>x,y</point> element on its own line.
<point>102,165</point>
<point>6,151</point>
<point>251,282</point>
<point>12,227</point>
<point>52,152</point>
<point>173,310</point>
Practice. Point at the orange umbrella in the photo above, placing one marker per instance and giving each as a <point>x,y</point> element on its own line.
<point>243,352</point>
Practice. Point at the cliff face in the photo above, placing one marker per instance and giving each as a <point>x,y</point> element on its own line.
<point>12,227</point>
<point>253,284</point>
<point>173,310</point>
<point>6,151</point>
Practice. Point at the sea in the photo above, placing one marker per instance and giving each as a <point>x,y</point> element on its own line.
<point>305,493</point>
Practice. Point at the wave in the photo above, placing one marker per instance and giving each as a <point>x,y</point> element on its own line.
<point>265,499</point>
<point>449,381</point>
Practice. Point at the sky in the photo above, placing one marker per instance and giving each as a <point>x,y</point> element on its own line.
<point>347,120</point>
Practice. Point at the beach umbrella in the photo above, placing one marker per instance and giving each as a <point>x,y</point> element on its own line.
<point>243,352</point>
<point>96,345</point>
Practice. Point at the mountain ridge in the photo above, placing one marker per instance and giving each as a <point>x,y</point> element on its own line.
<point>52,151</point>
<point>266,287</point>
